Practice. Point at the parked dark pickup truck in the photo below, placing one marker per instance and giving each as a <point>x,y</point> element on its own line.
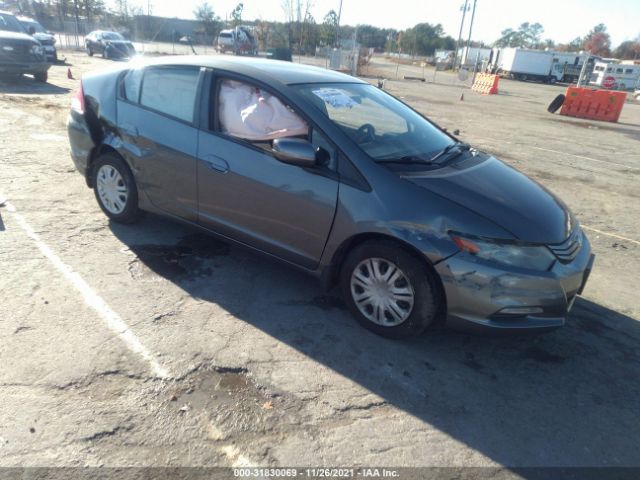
<point>19,52</point>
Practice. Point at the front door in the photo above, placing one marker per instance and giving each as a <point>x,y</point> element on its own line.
<point>245,193</point>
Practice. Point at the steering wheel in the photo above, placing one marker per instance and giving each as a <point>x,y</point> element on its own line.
<point>366,133</point>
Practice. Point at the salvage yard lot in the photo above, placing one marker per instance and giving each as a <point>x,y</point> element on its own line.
<point>231,359</point>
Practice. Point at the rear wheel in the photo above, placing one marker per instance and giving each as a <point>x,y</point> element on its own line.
<point>115,188</point>
<point>390,291</point>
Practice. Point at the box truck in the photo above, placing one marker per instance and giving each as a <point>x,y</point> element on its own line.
<point>540,65</point>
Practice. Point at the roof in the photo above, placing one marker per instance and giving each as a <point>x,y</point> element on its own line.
<point>287,73</point>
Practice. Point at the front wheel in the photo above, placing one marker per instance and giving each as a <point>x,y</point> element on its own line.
<point>41,77</point>
<point>390,291</point>
<point>115,188</point>
<point>89,51</point>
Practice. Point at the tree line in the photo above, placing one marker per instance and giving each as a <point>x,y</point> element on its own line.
<point>302,32</point>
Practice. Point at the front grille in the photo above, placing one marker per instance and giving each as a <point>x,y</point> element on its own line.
<point>15,52</point>
<point>569,249</point>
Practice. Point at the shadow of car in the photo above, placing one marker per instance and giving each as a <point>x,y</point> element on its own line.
<point>569,398</point>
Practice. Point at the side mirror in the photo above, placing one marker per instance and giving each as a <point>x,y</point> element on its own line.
<point>294,151</point>
<point>31,30</point>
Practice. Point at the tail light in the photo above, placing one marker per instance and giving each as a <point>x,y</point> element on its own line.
<point>77,103</point>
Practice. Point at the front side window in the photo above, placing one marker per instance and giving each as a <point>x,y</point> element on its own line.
<point>171,90</point>
<point>383,127</point>
<point>248,112</point>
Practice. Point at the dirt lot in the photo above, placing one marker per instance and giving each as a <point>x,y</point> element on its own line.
<point>155,345</point>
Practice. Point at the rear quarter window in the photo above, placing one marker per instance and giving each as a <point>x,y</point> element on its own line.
<point>131,85</point>
<point>171,90</point>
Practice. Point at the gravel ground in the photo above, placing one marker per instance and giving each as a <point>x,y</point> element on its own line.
<point>232,359</point>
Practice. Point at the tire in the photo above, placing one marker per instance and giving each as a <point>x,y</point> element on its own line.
<point>41,77</point>
<point>556,104</point>
<point>89,51</point>
<point>102,185</point>
<point>414,276</point>
<point>105,53</point>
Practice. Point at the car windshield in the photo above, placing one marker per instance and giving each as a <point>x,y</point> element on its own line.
<point>112,36</point>
<point>383,127</point>
<point>10,23</point>
<point>36,26</point>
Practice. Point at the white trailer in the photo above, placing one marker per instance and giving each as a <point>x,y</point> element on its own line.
<point>468,56</point>
<point>615,76</point>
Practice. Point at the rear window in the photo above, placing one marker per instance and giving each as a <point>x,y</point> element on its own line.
<point>171,90</point>
<point>112,36</point>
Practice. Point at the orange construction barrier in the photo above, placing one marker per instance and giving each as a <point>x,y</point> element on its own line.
<point>604,105</point>
<point>486,84</point>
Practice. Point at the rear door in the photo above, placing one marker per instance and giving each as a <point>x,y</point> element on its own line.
<point>245,193</point>
<point>161,135</point>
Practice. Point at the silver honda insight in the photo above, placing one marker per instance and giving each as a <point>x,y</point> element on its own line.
<point>335,177</point>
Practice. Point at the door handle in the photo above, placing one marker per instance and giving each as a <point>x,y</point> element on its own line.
<point>216,163</point>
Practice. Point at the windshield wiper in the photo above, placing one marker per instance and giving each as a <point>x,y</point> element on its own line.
<point>462,147</point>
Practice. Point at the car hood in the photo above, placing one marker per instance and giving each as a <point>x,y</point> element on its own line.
<point>13,36</point>
<point>502,194</point>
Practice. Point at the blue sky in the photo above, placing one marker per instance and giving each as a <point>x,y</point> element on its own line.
<point>563,20</point>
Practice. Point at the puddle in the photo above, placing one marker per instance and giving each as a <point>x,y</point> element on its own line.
<point>186,260</point>
<point>230,400</point>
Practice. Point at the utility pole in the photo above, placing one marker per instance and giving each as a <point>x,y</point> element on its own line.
<point>473,15</point>
<point>338,26</point>
<point>464,12</point>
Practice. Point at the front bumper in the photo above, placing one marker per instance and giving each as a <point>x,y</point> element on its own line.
<point>120,52</point>
<point>477,291</point>
<point>24,67</point>
<point>50,53</point>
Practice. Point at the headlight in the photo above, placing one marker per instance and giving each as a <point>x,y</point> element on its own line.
<point>37,50</point>
<point>535,257</point>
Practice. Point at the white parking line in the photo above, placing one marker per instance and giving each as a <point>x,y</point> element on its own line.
<point>91,298</point>
<point>586,158</point>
